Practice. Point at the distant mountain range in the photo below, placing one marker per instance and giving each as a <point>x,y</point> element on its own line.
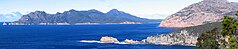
<point>203,12</point>
<point>73,16</point>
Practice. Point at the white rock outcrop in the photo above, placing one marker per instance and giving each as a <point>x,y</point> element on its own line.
<point>107,39</point>
<point>131,41</point>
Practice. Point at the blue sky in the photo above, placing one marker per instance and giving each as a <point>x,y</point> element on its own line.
<point>140,8</point>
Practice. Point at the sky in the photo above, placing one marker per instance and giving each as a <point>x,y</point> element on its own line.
<point>152,9</point>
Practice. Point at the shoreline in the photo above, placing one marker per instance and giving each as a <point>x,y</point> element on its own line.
<point>12,23</point>
<point>19,24</point>
<point>108,39</point>
<point>95,41</point>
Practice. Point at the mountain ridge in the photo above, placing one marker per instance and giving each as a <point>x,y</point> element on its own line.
<point>73,16</point>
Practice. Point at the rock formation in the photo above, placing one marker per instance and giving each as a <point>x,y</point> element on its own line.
<point>206,11</point>
<point>107,39</point>
<point>131,41</point>
<point>182,38</point>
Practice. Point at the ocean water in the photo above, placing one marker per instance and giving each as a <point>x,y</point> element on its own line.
<point>69,36</point>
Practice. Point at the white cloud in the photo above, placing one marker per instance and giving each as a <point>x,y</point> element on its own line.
<point>10,17</point>
<point>153,16</point>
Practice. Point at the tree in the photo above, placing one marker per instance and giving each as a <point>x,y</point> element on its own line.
<point>227,25</point>
<point>212,40</point>
<point>208,40</point>
<point>229,28</point>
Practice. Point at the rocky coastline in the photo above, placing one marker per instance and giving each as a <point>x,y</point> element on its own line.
<point>181,38</point>
<point>157,40</point>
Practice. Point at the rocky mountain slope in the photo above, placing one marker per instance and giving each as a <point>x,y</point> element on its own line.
<point>73,16</point>
<point>206,11</point>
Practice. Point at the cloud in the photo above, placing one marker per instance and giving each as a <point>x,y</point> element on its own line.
<point>103,0</point>
<point>153,16</point>
<point>10,17</point>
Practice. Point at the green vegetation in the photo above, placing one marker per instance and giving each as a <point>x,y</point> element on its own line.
<point>229,28</point>
<point>208,40</point>
<point>198,30</point>
<point>225,38</point>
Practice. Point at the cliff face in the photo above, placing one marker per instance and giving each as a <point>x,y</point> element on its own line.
<point>205,11</point>
<point>74,16</point>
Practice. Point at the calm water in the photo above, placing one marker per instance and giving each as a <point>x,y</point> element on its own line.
<point>68,37</point>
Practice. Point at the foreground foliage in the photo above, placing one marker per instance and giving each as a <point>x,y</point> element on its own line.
<point>208,40</point>
<point>226,38</point>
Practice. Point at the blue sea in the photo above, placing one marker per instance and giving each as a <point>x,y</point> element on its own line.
<point>69,36</point>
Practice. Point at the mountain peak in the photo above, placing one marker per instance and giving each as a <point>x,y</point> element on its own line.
<point>72,10</point>
<point>114,11</point>
<point>43,12</point>
<point>93,10</point>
